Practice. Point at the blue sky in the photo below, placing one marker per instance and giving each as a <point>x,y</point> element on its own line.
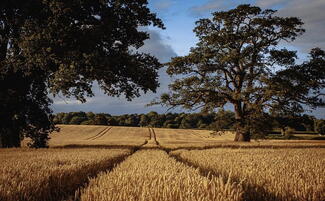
<point>179,17</point>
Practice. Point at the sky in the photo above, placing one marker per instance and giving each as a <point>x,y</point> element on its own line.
<point>179,17</point>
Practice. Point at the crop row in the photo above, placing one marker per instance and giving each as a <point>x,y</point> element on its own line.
<point>53,174</point>
<point>266,174</point>
<point>150,175</point>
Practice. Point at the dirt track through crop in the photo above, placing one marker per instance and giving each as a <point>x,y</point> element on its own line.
<point>152,175</point>
<point>100,134</point>
<point>152,142</point>
<point>153,133</point>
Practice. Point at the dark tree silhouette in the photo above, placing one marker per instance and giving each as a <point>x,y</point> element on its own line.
<point>236,61</point>
<point>60,46</point>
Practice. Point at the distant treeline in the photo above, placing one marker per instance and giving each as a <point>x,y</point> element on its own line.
<point>218,120</point>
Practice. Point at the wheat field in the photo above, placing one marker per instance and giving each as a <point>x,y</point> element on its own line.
<point>98,135</point>
<point>266,174</point>
<point>104,163</point>
<point>158,178</point>
<point>51,174</point>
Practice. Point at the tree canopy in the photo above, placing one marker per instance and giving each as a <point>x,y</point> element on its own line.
<point>238,61</point>
<point>221,120</point>
<point>62,47</point>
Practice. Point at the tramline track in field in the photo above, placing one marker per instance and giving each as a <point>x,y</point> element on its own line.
<point>154,136</point>
<point>152,142</point>
<point>100,134</point>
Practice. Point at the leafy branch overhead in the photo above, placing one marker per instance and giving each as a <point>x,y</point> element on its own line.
<point>63,47</point>
<point>83,41</point>
<point>237,61</point>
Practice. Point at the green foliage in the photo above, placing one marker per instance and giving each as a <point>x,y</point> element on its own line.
<point>218,121</point>
<point>111,121</point>
<point>320,126</point>
<point>67,118</point>
<point>299,123</point>
<point>144,120</point>
<point>169,120</point>
<point>234,63</point>
<point>25,109</point>
<point>223,120</point>
<point>100,119</point>
<point>77,120</point>
<point>62,47</point>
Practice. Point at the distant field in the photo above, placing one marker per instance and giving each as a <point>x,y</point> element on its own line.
<point>98,135</point>
<point>90,135</point>
<point>101,163</point>
<point>133,136</point>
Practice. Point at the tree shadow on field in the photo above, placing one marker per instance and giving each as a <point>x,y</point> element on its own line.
<point>73,146</point>
<point>81,146</point>
<point>238,146</point>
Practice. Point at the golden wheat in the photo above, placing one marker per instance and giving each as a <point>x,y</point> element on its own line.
<point>245,172</point>
<point>34,175</point>
<point>97,135</point>
<point>267,174</point>
<point>176,138</point>
<point>253,144</point>
<point>150,175</point>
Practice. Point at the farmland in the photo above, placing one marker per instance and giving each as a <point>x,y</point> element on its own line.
<point>91,163</point>
<point>99,135</point>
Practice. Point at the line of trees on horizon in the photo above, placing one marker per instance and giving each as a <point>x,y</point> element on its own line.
<point>221,120</point>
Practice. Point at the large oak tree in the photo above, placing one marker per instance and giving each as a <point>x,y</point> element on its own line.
<point>240,60</point>
<point>62,47</point>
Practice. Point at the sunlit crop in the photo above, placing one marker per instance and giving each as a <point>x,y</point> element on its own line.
<point>266,174</point>
<point>153,175</point>
<point>34,175</point>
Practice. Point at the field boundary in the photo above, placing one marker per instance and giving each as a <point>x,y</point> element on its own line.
<point>234,146</point>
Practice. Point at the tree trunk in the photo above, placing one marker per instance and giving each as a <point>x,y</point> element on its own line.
<point>283,131</point>
<point>242,135</point>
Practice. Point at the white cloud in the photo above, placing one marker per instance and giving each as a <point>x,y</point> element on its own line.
<point>312,14</point>
<point>157,46</point>
<point>270,3</point>
<point>63,102</point>
<point>163,4</point>
<point>208,7</point>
